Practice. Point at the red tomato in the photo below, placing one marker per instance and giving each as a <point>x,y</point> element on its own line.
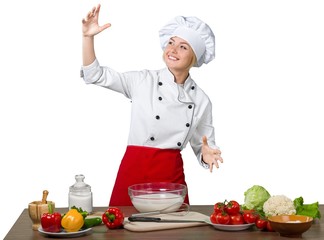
<point>248,211</point>
<point>232,207</point>
<point>250,216</point>
<point>236,219</point>
<point>213,217</point>
<point>222,218</point>
<point>261,224</point>
<point>219,207</point>
<point>269,227</point>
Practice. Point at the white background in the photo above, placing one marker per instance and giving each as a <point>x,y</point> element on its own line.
<point>265,85</point>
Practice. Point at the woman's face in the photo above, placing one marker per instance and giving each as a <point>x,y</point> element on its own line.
<point>178,55</point>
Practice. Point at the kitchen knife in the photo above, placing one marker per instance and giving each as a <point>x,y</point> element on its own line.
<point>162,220</point>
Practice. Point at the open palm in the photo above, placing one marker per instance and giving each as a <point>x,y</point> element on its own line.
<point>210,156</point>
<point>90,26</point>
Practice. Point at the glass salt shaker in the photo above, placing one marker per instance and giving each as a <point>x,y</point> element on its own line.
<point>80,194</point>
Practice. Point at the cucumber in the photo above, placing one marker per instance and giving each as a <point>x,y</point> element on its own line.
<point>91,222</point>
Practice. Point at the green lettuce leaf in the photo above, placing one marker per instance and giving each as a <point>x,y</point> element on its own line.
<point>310,210</point>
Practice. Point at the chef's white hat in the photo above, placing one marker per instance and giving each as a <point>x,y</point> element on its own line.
<point>197,33</point>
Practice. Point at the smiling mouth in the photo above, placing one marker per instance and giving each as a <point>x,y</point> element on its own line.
<point>172,58</point>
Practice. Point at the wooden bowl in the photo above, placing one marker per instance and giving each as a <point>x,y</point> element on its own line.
<point>290,225</point>
<point>36,209</point>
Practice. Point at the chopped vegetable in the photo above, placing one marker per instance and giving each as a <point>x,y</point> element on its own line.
<point>255,198</point>
<point>279,205</point>
<point>310,210</point>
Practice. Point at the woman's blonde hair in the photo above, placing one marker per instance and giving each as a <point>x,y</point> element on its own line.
<point>193,60</point>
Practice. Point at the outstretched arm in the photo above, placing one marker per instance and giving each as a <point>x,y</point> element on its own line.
<point>90,28</point>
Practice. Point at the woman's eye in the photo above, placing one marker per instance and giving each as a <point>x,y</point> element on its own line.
<point>184,47</point>
<point>170,42</point>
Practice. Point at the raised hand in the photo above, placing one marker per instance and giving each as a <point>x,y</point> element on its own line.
<point>210,156</point>
<point>90,26</point>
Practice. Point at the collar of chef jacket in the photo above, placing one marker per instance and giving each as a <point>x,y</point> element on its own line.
<point>184,90</point>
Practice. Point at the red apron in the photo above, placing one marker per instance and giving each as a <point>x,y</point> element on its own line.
<point>143,165</point>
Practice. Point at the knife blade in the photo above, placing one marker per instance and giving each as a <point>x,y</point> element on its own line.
<point>162,220</point>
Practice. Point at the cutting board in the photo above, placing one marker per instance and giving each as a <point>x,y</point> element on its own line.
<point>156,226</point>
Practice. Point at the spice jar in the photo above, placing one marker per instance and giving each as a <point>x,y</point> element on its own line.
<point>80,194</point>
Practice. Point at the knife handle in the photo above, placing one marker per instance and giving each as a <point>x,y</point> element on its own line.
<point>144,219</point>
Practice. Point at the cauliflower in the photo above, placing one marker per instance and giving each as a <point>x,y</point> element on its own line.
<point>279,205</point>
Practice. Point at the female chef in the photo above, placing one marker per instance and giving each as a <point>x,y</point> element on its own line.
<point>168,108</point>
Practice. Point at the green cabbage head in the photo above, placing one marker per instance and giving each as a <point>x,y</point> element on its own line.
<point>255,197</point>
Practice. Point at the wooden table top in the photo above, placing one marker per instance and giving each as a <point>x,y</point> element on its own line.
<point>22,229</point>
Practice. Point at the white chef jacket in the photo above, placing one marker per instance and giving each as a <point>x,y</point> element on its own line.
<point>164,114</point>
